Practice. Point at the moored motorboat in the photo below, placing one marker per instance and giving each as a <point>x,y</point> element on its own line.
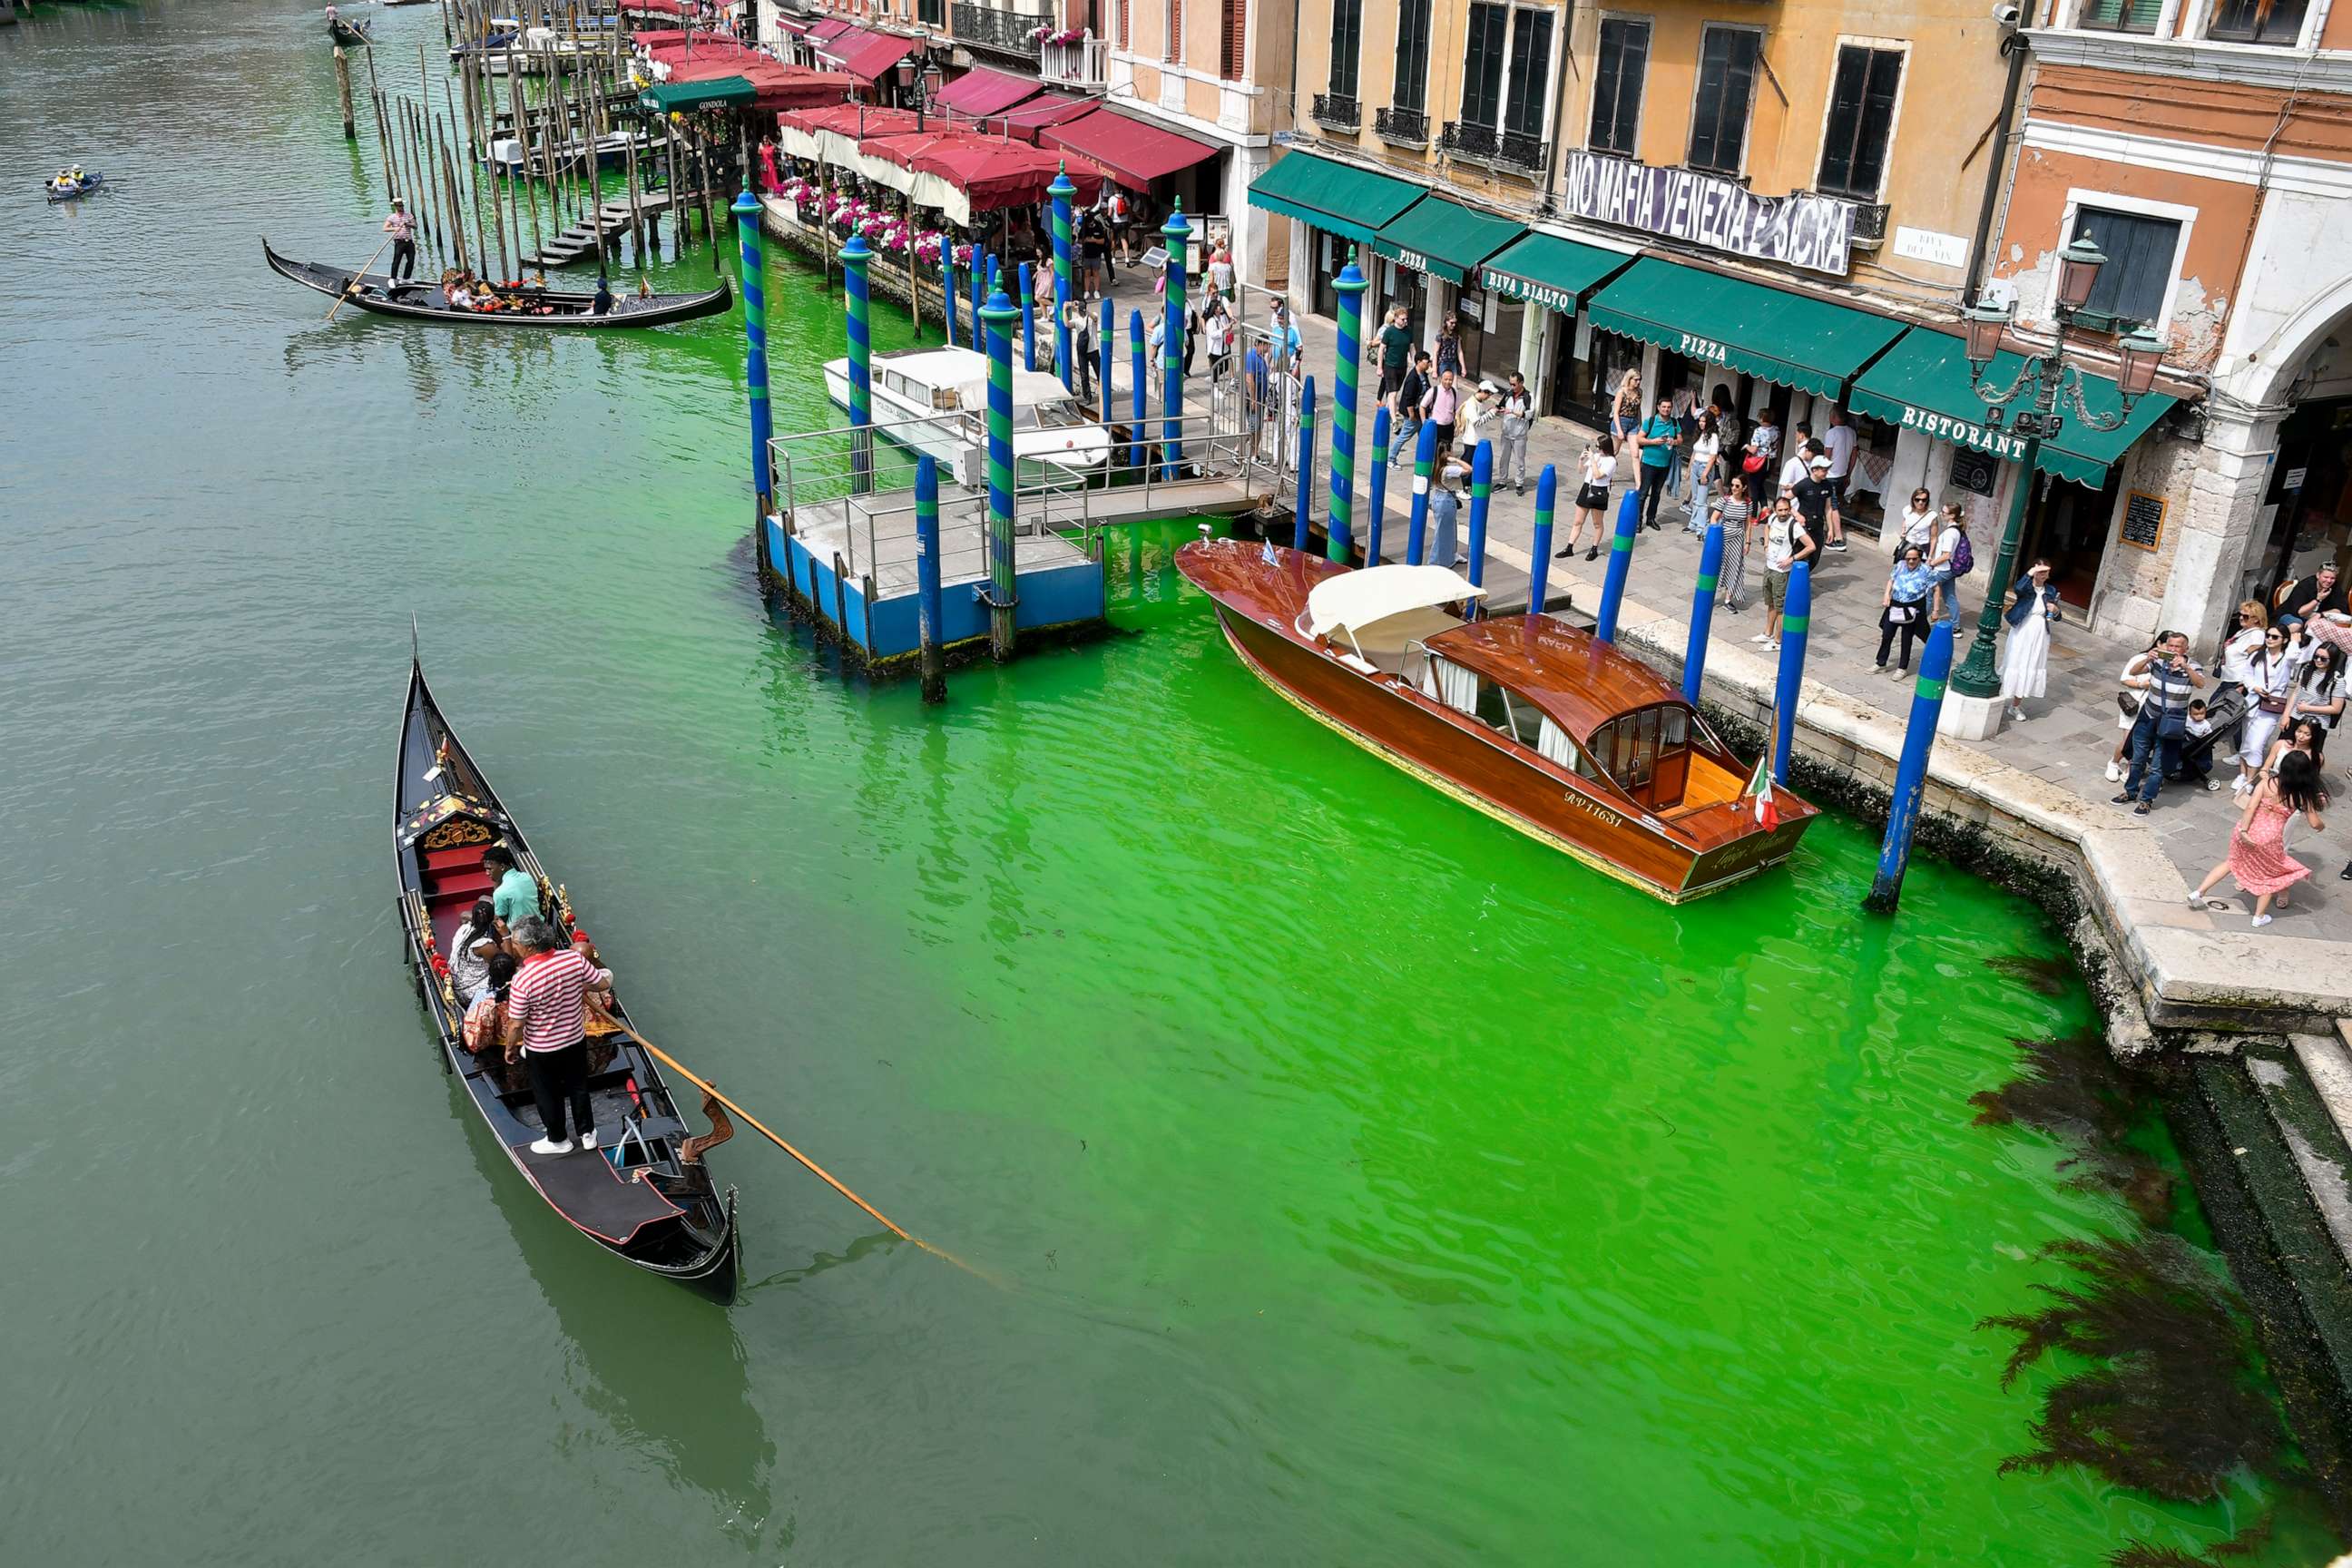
<point>548,309</point>
<point>936,400</point>
<point>1537,723</point>
<point>646,1194</point>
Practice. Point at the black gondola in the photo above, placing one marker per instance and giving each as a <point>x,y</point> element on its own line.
<point>646,1194</point>
<point>350,34</point>
<point>423,300</point>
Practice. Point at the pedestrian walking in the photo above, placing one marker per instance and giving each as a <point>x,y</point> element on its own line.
<point>1448,346</point>
<point>1797,465</point>
<point>2319,689</point>
<point>1705,467</point>
<point>1816,501</point>
<point>1736,510</point>
<point>2270,682</point>
<point>2025,657</point>
<point>1656,439</point>
<point>1950,561</point>
<point>2162,725</point>
<point>1443,407</point>
<point>1518,418</point>
<point>1412,393</point>
<point>1917,525</point>
<point>1786,543</point>
<point>1445,510</point>
<point>2131,694</point>
<point>1475,422</point>
<point>1841,442</point>
<point>1625,423</point>
<point>2258,857</point>
<point>1598,466</point>
<point>1903,607</point>
<point>1395,340</point>
<point>1219,334</point>
<point>1221,266</point>
<point>1080,317</point>
<point>1122,217</point>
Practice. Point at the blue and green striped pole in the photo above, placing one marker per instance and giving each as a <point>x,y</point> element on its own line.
<point>927,576</point>
<point>1178,234</point>
<point>1482,492</point>
<point>947,285</point>
<point>1710,573</point>
<point>1424,460</point>
<point>1796,619</point>
<point>1107,348</point>
<point>1911,771</point>
<point>1301,514</point>
<point>755,350</point>
<point>1376,503</point>
<point>1621,565</point>
<point>1137,394</point>
<point>978,294</point>
<point>1028,319</point>
<point>1341,530</point>
<point>1062,190</point>
<point>854,256</point>
<point>998,316</point>
<point>1539,568</point>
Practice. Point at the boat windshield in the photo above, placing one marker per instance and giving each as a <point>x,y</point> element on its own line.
<point>1055,414</point>
<point>1648,752</point>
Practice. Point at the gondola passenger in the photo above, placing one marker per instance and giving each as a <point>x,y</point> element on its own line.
<point>470,947</point>
<point>485,1016</point>
<point>514,897</point>
<point>604,303</point>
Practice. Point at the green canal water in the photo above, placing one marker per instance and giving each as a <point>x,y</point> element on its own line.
<point>1361,1184</point>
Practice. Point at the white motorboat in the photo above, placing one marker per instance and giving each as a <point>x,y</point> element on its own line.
<point>936,400</point>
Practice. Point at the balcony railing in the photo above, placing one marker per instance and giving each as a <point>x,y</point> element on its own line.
<point>989,28</point>
<point>1337,111</point>
<point>1401,127</point>
<point>1869,225</point>
<point>1510,151</point>
<point>1086,63</point>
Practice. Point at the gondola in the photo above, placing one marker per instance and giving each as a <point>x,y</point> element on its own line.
<point>348,35</point>
<point>89,183</point>
<point>646,1194</point>
<point>421,300</point>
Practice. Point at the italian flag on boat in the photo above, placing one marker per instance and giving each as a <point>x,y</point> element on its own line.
<point>1759,790</point>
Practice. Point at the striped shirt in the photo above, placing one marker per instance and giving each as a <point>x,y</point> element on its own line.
<point>549,999</point>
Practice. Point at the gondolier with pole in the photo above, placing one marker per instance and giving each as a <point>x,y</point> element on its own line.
<point>402,229</point>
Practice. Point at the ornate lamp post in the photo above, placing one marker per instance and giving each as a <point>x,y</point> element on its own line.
<point>2029,407</point>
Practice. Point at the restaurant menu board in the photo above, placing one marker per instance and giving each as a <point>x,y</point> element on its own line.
<point>2142,519</point>
<point>1974,471</point>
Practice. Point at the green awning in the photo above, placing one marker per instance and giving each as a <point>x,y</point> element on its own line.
<point>1550,271</point>
<point>1443,239</point>
<point>1792,339</point>
<point>678,97</point>
<point>1334,197</point>
<point>1924,382</point>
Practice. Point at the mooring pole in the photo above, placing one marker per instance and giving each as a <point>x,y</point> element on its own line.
<point>755,353</point>
<point>343,93</point>
<point>1028,318</point>
<point>1710,571</point>
<point>1796,617</point>
<point>1540,566</point>
<point>1178,234</point>
<point>1340,531</point>
<point>1911,771</point>
<point>1621,565</point>
<point>947,283</point>
<point>1482,492</point>
<point>1376,503</point>
<point>998,316</point>
<point>855,257</point>
<point>979,295</point>
<point>1302,513</point>
<point>927,575</point>
<point>1061,191</point>
<point>1107,347</point>
<point>1136,392</point>
<point>1424,458</point>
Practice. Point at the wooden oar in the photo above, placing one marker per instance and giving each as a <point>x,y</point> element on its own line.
<point>821,1174</point>
<point>352,287</point>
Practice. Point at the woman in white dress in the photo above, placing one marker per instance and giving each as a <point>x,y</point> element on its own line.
<point>2025,661</point>
<point>2270,686</point>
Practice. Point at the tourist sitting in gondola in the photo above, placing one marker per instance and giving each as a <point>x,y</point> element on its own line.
<point>485,1023</point>
<point>471,946</point>
<point>603,302</point>
<point>514,897</point>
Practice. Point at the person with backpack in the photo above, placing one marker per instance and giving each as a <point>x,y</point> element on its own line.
<point>1954,559</point>
<point>1122,216</point>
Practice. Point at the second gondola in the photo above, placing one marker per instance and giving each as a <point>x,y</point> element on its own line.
<point>545,310</point>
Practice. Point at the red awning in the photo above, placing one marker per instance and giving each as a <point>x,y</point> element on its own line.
<point>995,173</point>
<point>850,119</point>
<point>655,7</point>
<point>980,90</point>
<point>1134,153</point>
<point>709,63</point>
<point>838,47</point>
<point>876,54</point>
<point>832,27</point>
<point>786,86</point>
<point>792,26</point>
<point>1026,120</point>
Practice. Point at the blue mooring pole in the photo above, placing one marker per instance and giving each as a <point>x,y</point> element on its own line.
<point>927,575</point>
<point>1177,234</point>
<point>1107,349</point>
<point>1339,530</point>
<point>979,284</point>
<point>1482,489</point>
<point>1796,618</point>
<point>1539,567</point>
<point>1376,498</point>
<point>855,257</point>
<point>1062,190</point>
<point>998,318</point>
<point>946,286</point>
<point>1911,771</point>
<point>1621,565</point>
<point>1302,512</point>
<point>1711,571</point>
<point>1138,395</point>
<point>1028,319</point>
<point>1424,458</point>
<point>754,279</point>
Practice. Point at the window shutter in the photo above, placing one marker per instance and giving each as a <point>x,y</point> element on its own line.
<point>2128,15</point>
<point>1126,25</point>
<point>1175,46</point>
<point>1234,39</point>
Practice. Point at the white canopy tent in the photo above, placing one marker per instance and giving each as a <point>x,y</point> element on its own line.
<point>1383,609</point>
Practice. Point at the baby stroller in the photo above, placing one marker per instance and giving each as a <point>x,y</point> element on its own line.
<point>2226,710</point>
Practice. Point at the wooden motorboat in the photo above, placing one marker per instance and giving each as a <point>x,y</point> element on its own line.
<point>552,309</point>
<point>1540,725</point>
<point>646,1192</point>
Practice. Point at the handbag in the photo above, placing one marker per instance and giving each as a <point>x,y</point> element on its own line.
<point>1753,463</point>
<point>2270,703</point>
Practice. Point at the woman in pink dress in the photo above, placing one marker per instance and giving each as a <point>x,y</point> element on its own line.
<point>2258,857</point>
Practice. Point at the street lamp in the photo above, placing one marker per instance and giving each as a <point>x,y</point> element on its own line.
<point>2036,391</point>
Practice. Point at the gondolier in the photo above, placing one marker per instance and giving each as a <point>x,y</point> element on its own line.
<point>402,229</point>
<point>547,1029</point>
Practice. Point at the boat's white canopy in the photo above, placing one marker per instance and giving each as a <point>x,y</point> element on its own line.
<point>1029,387</point>
<point>1385,607</point>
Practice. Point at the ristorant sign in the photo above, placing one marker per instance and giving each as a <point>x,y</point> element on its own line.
<point>1799,230</point>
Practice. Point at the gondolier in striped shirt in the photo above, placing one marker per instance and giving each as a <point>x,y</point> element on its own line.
<point>547,1024</point>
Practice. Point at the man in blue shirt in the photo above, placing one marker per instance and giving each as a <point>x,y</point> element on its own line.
<point>1657,439</point>
<point>1253,388</point>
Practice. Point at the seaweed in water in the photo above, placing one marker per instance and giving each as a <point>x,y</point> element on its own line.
<point>2167,1404</point>
<point>2049,976</point>
<point>2068,1089</point>
<point>2245,1543</point>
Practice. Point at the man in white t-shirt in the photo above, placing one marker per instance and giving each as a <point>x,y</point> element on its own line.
<point>1839,441</point>
<point>1786,543</point>
<point>1792,467</point>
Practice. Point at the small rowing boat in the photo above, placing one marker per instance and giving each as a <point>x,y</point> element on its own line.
<point>73,191</point>
<point>1541,726</point>
<point>351,35</point>
<point>644,1194</point>
<point>526,307</point>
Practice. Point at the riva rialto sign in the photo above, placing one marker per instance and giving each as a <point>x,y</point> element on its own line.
<point>1803,230</point>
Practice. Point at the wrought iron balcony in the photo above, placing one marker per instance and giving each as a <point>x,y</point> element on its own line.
<point>997,30</point>
<point>1869,225</point>
<point>1401,127</point>
<point>1512,151</point>
<point>1337,112</point>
